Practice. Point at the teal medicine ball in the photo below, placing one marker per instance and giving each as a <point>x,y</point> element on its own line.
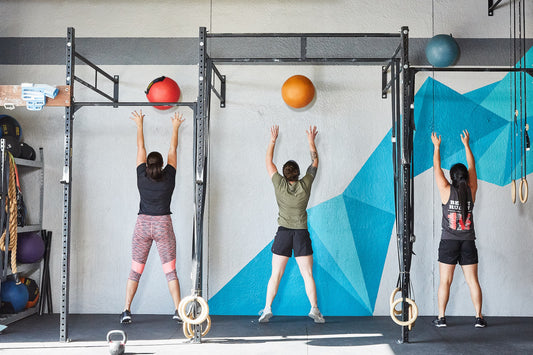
<point>442,51</point>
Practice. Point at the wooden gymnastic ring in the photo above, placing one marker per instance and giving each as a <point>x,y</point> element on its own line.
<point>412,317</point>
<point>189,332</point>
<point>186,331</point>
<point>523,184</point>
<point>513,191</point>
<point>393,294</point>
<point>183,305</point>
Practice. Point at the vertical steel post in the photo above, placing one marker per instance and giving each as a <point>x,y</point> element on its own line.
<point>41,184</point>
<point>405,217</point>
<point>200,169</point>
<point>67,190</point>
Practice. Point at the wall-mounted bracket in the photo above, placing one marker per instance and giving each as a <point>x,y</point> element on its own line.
<point>492,6</point>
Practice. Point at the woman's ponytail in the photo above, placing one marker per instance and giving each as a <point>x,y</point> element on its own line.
<point>154,166</point>
<point>459,176</point>
<point>462,192</point>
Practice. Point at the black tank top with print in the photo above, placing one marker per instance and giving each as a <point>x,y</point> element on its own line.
<point>454,224</point>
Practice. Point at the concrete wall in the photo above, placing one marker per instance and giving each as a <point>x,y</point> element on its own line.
<point>353,123</point>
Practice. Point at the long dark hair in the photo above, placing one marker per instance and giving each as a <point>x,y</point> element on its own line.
<point>291,170</point>
<point>459,176</point>
<point>154,166</point>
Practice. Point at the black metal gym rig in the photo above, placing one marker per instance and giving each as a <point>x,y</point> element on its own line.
<point>289,49</point>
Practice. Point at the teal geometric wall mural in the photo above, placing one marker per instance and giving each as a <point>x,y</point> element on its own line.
<point>351,232</point>
<point>486,113</point>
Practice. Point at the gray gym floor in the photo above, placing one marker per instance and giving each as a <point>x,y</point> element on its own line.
<point>157,334</point>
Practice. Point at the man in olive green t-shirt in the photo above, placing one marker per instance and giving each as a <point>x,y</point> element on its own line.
<point>292,196</point>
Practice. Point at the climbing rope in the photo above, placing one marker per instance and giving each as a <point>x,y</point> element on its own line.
<point>11,210</point>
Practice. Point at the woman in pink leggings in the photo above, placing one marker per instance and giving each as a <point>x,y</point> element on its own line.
<point>156,185</point>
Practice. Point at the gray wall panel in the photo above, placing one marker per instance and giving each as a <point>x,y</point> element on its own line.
<point>184,51</point>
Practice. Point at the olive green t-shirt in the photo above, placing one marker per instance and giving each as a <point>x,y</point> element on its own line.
<point>292,199</point>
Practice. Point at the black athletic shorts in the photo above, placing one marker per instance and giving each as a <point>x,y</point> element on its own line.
<point>463,251</point>
<point>287,240</point>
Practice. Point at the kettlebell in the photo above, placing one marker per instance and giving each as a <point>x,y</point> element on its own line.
<point>117,347</point>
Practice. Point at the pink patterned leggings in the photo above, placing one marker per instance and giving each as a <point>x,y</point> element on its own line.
<point>158,229</point>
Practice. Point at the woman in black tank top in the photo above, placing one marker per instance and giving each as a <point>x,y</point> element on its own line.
<point>457,243</point>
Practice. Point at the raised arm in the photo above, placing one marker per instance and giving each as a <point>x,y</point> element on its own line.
<point>138,117</point>
<point>271,168</point>
<point>172,159</point>
<point>472,175</point>
<point>311,135</point>
<point>442,183</point>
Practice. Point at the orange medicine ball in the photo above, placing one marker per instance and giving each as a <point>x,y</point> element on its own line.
<point>298,91</point>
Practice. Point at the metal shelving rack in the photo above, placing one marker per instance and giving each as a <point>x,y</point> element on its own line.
<point>24,166</point>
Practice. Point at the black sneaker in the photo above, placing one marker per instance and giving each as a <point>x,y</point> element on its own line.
<point>125,317</point>
<point>439,322</point>
<point>177,317</point>
<point>480,323</point>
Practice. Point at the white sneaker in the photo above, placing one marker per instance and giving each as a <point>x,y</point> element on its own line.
<point>316,315</point>
<point>266,314</point>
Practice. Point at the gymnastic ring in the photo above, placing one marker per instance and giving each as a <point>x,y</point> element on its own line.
<point>410,326</point>
<point>412,318</point>
<point>186,331</point>
<point>523,184</point>
<point>203,314</point>
<point>189,333</point>
<point>393,294</point>
<point>513,191</point>
<point>396,311</point>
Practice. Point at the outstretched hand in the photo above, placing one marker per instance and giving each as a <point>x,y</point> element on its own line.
<point>274,131</point>
<point>435,139</point>
<point>137,117</point>
<point>311,134</point>
<point>177,119</point>
<point>465,137</point>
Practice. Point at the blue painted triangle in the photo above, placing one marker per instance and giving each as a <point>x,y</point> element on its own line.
<point>479,95</point>
<point>501,99</point>
<point>424,96</point>
<point>291,299</point>
<point>331,266</point>
<point>334,300</point>
<point>371,233</point>
<point>493,164</point>
<point>330,222</point>
<point>245,293</point>
<point>374,184</point>
<point>455,113</point>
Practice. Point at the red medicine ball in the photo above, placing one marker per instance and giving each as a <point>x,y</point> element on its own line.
<point>163,89</point>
